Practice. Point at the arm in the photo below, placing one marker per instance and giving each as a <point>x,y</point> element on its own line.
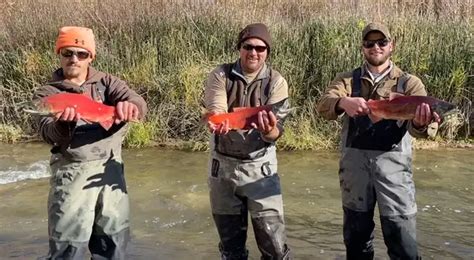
<point>336,100</point>
<point>215,95</point>
<point>130,106</point>
<point>269,124</point>
<point>52,130</point>
<point>215,99</point>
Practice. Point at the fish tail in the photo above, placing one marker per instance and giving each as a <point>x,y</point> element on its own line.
<point>107,124</point>
<point>37,112</point>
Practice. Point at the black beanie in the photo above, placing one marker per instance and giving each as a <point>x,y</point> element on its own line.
<point>255,30</point>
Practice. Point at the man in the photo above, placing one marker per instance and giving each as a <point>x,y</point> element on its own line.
<point>88,205</point>
<point>376,154</point>
<point>243,167</point>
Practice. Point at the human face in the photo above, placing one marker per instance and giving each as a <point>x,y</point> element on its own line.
<point>252,55</point>
<point>377,55</point>
<point>74,62</point>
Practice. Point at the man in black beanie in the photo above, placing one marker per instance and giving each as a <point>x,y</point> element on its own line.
<point>243,174</point>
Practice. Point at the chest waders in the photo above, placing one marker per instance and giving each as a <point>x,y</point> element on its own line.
<point>243,178</point>
<point>375,167</point>
<point>88,204</point>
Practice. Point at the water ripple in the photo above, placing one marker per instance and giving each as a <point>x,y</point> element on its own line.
<point>36,170</point>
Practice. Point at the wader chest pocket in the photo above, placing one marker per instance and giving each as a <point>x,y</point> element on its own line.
<point>266,171</point>
<point>214,168</point>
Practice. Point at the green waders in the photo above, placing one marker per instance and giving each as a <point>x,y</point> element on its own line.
<point>241,186</point>
<point>88,207</point>
<point>375,167</point>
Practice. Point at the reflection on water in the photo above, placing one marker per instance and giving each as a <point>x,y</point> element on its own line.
<point>170,207</point>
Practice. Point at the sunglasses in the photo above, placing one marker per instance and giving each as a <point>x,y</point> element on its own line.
<point>370,44</point>
<point>81,55</point>
<point>257,48</point>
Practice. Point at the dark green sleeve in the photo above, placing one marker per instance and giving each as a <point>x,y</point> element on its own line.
<point>120,91</point>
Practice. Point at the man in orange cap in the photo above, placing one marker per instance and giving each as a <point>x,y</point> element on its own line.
<point>88,205</point>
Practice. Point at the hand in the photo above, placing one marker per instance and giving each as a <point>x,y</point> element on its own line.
<point>354,106</point>
<point>373,117</point>
<point>220,129</point>
<point>424,117</point>
<point>126,111</point>
<point>68,115</point>
<point>266,122</point>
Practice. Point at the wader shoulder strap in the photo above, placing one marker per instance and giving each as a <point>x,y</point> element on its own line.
<point>356,84</point>
<point>265,88</point>
<point>401,84</point>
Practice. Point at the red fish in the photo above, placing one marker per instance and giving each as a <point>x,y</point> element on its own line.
<point>241,118</point>
<point>90,110</point>
<point>404,107</point>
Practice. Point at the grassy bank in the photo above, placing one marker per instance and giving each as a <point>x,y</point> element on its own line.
<point>164,51</point>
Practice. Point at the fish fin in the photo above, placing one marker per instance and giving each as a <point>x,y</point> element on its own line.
<point>107,124</point>
<point>374,118</point>
<point>87,121</point>
<point>394,95</point>
<point>39,113</point>
<point>236,109</point>
<point>432,129</point>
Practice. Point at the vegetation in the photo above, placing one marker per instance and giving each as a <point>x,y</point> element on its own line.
<point>164,51</point>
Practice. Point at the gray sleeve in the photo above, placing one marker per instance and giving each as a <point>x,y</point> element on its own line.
<point>215,95</point>
<point>281,103</point>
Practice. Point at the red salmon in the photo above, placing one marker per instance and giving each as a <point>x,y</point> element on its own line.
<point>90,110</point>
<point>241,118</point>
<point>404,107</point>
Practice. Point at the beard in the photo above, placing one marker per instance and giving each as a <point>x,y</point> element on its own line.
<point>72,71</point>
<point>379,60</point>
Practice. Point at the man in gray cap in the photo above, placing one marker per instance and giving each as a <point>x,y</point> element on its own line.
<point>375,165</point>
<point>243,174</point>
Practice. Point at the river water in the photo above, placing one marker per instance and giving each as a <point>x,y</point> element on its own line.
<point>171,215</point>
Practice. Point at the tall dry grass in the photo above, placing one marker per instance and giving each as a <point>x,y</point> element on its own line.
<point>164,50</point>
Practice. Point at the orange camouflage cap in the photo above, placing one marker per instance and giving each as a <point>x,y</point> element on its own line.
<point>74,36</point>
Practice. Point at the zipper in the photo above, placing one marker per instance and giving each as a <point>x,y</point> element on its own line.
<point>244,96</point>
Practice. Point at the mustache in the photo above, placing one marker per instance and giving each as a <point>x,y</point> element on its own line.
<point>72,64</point>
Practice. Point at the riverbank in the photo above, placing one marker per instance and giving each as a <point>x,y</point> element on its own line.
<point>418,144</point>
<point>165,51</point>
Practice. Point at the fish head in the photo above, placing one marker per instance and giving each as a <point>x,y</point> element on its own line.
<point>282,108</point>
<point>444,109</point>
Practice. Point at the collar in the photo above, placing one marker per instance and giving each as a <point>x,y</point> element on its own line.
<point>377,78</point>
<point>237,70</point>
